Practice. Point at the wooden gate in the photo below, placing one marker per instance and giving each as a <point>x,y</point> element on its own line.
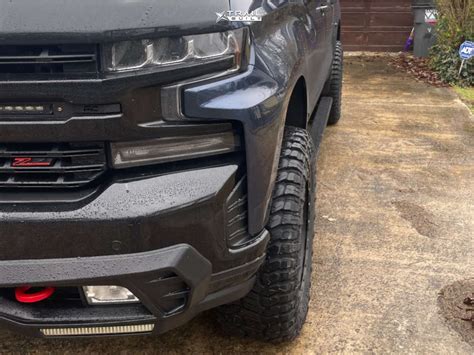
<point>376,25</point>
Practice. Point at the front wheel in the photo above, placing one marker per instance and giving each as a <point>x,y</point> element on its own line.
<point>276,308</point>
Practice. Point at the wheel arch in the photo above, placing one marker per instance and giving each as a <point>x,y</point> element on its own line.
<point>297,111</point>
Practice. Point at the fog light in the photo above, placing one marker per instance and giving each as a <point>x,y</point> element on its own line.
<point>99,295</point>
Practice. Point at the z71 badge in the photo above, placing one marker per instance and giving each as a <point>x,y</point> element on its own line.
<point>28,162</point>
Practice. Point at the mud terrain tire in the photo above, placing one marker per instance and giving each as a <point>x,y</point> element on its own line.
<point>276,308</point>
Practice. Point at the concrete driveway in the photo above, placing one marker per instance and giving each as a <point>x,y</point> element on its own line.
<point>394,253</point>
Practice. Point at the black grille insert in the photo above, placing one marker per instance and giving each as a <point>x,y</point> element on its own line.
<point>237,232</point>
<point>68,165</point>
<point>57,59</point>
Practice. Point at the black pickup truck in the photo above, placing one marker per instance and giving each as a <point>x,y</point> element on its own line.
<point>157,159</point>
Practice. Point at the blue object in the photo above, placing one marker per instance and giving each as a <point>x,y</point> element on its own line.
<point>467,50</point>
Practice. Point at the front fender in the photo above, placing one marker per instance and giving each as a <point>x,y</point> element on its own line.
<point>259,103</point>
<point>258,98</point>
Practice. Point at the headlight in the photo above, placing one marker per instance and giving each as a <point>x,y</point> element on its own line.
<point>175,51</point>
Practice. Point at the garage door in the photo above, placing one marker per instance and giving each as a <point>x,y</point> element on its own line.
<point>376,25</point>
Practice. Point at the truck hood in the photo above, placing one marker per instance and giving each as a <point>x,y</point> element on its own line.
<point>59,21</point>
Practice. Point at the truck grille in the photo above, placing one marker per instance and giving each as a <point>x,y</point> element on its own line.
<point>57,59</point>
<point>68,165</point>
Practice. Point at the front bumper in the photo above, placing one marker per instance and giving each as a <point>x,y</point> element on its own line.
<point>172,283</point>
<point>164,237</point>
<point>133,215</point>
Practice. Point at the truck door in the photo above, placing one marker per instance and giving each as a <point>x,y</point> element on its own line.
<point>332,21</point>
<point>327,9</point>
<point>320,59</point>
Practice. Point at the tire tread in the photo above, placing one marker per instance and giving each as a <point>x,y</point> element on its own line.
<point>335,85</point>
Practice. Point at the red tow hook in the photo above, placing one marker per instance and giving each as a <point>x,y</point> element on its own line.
<point>23,296</point>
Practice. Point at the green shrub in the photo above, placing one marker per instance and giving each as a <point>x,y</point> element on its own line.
<point>455,25</point>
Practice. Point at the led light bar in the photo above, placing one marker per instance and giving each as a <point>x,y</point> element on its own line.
<point>122,329</point>
<point>15,109</point>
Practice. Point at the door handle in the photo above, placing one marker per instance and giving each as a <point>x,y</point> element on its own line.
<point>322,9</point>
